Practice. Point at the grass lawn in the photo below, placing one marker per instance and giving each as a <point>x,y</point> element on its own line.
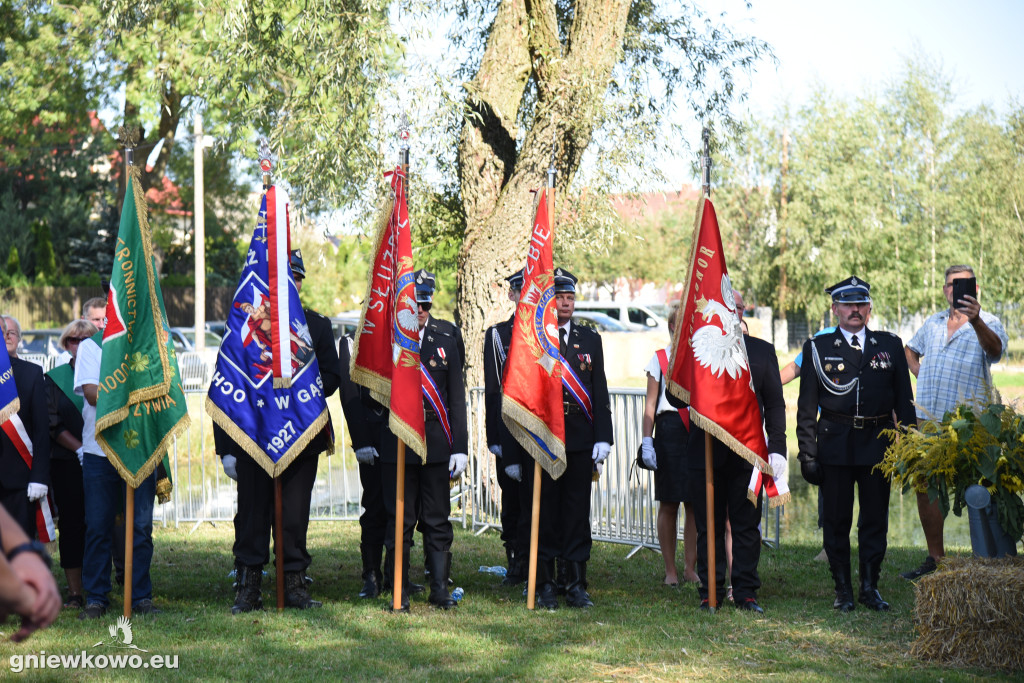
<point>639,630</point>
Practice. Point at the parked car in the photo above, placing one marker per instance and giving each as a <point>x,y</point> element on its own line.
<point>40,342</point>
<point>345,324</point>
<point>184,339</point>
<point>633,316</point>
<point>599,321</point>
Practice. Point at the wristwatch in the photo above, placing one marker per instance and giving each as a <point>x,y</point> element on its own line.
<point>31,547</point>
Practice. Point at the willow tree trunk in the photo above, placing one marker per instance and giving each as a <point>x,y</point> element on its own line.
<point>496,175</point>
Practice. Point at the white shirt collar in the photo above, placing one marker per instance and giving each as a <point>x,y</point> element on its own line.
<point>850,335</point>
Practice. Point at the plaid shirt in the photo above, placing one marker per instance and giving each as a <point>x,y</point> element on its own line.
<point>956,372</point>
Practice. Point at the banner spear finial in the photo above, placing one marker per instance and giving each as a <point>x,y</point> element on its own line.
<point>266,164</point>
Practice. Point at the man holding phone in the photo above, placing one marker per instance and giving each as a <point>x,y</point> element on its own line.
<point>951,356</point>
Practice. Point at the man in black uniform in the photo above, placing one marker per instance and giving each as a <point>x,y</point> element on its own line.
<point>859,379</point>
<point>256,488</point>
<point>731,478</point>
<point>21,485</point>
<point>427,483</point>
<point>565,502</point>
<point>496,343</point>
<point>366,420</point>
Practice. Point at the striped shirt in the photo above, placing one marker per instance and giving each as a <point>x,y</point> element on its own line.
<point>953,372</point>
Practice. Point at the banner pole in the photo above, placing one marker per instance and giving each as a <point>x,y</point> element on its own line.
<point>278,542</point>
<point>531,591</point>
<point>709,494</point>
<point>399,557</point>
<point>129,547</point>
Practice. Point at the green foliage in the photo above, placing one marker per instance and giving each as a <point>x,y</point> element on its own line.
<point>969,446</point>
<point>13,268</point>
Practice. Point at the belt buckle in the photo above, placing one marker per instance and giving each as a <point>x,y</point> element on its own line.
<point>858,422</point>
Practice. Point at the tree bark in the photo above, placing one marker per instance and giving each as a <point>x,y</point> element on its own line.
<point>571,78</point>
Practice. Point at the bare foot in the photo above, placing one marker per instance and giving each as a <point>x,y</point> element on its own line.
<point>671,580</point>
<point>690,576</point>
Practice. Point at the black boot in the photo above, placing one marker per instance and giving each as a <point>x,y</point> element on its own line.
<point>562,575</point>
<point>547,594</point>
<point>576,590</point>
<point>440,563</point>
<point>869,595</point>
<point>844,588</point>
<point>389,575</point>
<point>516,573</point>
<point>372,576</point>
<point>248,595</point>
<point>295,592</point>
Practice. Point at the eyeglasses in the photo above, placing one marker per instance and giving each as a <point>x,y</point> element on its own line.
<point>13,334</point>
<point>74,340</point>
<point>425,305</point>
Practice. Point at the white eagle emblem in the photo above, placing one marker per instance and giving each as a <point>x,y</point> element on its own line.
<point>407,319</point>
<point>720,349</point>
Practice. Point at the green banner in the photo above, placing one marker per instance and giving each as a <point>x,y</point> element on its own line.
<point>141,406</point>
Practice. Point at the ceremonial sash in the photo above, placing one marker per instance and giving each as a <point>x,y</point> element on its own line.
<point>663,364</point>
<point>576,389</point>
<point>16,432</point>
<point>64,377</point>
<point>431,393</point>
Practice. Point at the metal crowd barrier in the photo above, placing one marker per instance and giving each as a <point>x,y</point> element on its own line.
<point>623,508</point>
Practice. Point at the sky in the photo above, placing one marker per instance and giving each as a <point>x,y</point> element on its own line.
<point>858,47</point>
<point>852,46</point>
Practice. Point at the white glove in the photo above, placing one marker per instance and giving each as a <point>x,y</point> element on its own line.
<point>649,456</point>
<point>496,449</point>
<point>778,463</point>
<point>366,455</point>
<point>601,451</point>
<point>457,464</point>
<point>37,491</point>
<point>514,472</point>
<point>230,464</point>
<point>81,456</point>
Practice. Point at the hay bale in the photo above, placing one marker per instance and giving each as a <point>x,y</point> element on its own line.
<point>970,613</point>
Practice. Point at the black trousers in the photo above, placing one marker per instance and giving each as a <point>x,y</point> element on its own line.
<point>731,480</point>
<point>427,495</point>
<point>837,499</point>
<point>15,501</point>
<point>510,508</point>
<point>373,521</point>
<point>69,496</point>
<point>564,509</point>
<point>255,516</point>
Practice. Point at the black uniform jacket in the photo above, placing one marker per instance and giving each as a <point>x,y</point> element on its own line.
<point>356,415</point>
<point>496,343</point>
<point>14,474</point>
<point>764,370</point>
<point>882,389</point>
<point>585,354</point>
<point>64,416</point>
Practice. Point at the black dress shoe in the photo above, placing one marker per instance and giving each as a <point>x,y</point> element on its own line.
<point>927,567</point>
<point>750,605</point>
<point>547,596</point>
<point>844,602</point>
<point>870,597</point>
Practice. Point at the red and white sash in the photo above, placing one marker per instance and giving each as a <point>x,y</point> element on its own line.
<point>16,432</point>
<point>433,396</point>
<point>576,389</point>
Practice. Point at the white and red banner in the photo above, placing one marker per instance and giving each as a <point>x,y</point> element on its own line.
<point>709,368</point>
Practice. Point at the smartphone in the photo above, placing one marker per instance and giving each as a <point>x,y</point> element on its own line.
<point>964,286</point>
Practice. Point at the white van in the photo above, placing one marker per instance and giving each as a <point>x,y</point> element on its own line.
<point>632,315</point>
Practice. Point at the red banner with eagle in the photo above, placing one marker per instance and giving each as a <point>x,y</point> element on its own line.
<point>709,368</point>
<point>532,402</point>
<point>386,357</point>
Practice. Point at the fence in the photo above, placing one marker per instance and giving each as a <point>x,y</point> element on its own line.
<point>623,509</point>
